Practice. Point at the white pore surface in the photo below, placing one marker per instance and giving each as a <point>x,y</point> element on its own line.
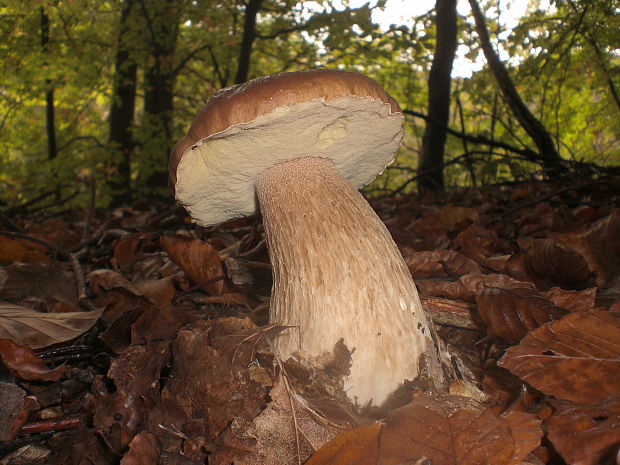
<point>215,178</point>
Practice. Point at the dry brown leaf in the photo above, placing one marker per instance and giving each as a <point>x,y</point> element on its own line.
<point>575,301</point>
<point>38,329</point>
<point>24,363</point>
<point>526,433</point>
<point>451,215</point>
<point>582,434</point>
<point>211,363</point>
<point>106,280</point>
<point>136,375</point>
<point>576,358</point>
<point>468,287</point>
<point>198,259</point>
<point>355,447</point>
<point>446,430</point>
<point>558,262</point>
<point>478,243</point>
<point>285,436</point>
<point>160,292</point>
<point>41,280</point>
<point>125,251</point>
<point>14,410</point>
<point>438,263</point>
<point>143,450</point>
<point>511,312</point>
<point>20,250</point>
<point>604,241</point>
<point>157,323</point>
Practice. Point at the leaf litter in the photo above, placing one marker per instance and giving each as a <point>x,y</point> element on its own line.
<point>146,341</point>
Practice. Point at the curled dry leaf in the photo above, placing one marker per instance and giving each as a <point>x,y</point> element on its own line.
<point>158,292</point>
<point>198,259</point>
<point>604,241</point>
<point>37,329</point>
<point>511,312</point>
<point>565,260</point>
<point>582,434</point>
<point>438,263</point>
<point>125,251</point>
<point>25,364</point>
<point>576,358</point>
<point>106,280</point>
<point>447,430</point>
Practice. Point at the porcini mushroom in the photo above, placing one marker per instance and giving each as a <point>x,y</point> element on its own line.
<point>302,143</point>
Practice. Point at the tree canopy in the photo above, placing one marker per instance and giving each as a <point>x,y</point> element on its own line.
<point>99,91</point>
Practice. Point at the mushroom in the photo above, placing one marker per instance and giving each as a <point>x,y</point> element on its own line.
<point>302,143</point>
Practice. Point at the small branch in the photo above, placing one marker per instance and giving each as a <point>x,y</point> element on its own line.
<point>79,280</point>
<point>477,139</point>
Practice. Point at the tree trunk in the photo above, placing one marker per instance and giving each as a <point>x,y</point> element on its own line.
<point>162,26</point>
<point>549,156</point>
<point>122,109</point>
<point>430,167</point>
<point>249,34</point>
<point>50,126</point>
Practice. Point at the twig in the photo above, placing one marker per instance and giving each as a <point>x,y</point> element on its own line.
<point>79,279</point>
<point>53,424</point>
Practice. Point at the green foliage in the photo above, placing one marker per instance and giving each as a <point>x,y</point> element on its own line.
<point>563,62</point>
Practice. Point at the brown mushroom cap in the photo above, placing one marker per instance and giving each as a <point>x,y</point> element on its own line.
<point>246,128</point>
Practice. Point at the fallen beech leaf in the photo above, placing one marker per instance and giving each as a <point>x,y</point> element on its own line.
<point>283,436</point>
<point>106,280</point>
<point>14,410</point>
<point>160,292</point>
<point>42,280</point>
<point>575,301</point>
<point>451,215</point>
<point>210,363</point>
<point>526,432</point>
<point>157,323</point>
<point>38,329</point>
<point>555,262</point>
<point>447,430</point>
<point>511,312</point>
<point>24,363</point>
<point>136,375</point>
<point>198,259</point>
<point>143,450</point>
<point>20,250</point>
<point>438,263</point>
<point>576,358</point>
<point>582,434</point>
<point>125,252</point>
<point>604,241</point>
<point>357,446</point>
<point>468,287</point>
<point>478,243</point>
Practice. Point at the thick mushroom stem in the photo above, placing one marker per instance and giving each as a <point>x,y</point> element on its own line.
<point>339,275</point>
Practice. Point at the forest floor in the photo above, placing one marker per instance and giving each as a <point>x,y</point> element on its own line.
<point>131,336</point>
